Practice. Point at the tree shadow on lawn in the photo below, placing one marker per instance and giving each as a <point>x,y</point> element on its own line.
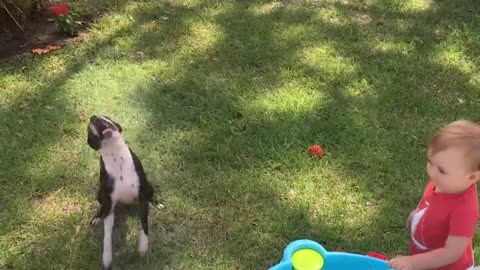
<point>374,139</point>
<point>242,187</point>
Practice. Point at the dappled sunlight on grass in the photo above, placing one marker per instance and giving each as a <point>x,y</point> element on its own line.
<point>216,187</point>
<point>54,216</point>
<point>27,84</point>
<point>109,26</point>
<point>361,89</point>
<point>356,207</point>
<point>292,207</point>
<point>55,157</point>
<point>115,77</point>
<point>57,206</point>
<point>294,98</point>
<point>204,36</point>
<point>417,6</point>
<point>330,63</point>
<point>267,8</point>
<point>14,87</point>
<point>290,32</point>
<point>451,54</point>
<point>387,47</point>
<point>221,100</point>
<point>333,16</point>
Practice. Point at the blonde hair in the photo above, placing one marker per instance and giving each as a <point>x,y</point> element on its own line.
<point>463,134</point>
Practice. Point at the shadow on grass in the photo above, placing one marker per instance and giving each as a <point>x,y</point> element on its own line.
<point>243,187</point>
<point>375,138</point>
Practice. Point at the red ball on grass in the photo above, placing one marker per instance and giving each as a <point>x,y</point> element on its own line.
<point>316,150</point>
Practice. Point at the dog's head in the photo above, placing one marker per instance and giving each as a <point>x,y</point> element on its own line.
<point>102,131</point>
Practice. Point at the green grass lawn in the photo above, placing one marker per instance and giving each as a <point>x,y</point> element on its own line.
<point>221,100</point>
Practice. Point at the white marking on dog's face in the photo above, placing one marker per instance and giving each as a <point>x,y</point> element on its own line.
<point>94,129</point>
<point>103,131</point>
<point>99,123</point>
<point>106,120</point>
<point>142,243</point>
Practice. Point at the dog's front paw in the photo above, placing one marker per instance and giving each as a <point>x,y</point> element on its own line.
<point>142,243</point>
<point>159,205</point>
<point>95,221</point>
<point>107,260</point>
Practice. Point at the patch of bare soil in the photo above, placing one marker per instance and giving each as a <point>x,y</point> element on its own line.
<point>39,33</point>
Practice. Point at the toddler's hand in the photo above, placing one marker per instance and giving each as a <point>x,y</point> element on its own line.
<point>402,263</point>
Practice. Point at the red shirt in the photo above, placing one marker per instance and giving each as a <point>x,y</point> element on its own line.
<point>439,215</point>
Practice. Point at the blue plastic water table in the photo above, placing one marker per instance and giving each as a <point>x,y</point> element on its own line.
<point>309,255</point>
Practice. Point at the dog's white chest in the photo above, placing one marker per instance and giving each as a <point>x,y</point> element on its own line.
<point>120,167</point>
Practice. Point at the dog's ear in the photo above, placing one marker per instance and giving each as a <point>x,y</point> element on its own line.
<point>120,129</point>
<point>94,141</point>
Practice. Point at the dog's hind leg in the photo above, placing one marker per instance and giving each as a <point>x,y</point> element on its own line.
<point>107,213</point>
<point>143,234</point>
<point>107,240</point>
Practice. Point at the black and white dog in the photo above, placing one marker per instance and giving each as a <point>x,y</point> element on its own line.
<point>122,180</point>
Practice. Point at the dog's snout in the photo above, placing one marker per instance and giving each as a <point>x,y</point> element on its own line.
<point>93,117</point>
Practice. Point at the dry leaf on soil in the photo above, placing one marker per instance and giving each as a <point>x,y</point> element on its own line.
<point>47,49</point>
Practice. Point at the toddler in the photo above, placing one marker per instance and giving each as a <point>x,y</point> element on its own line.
<point>443,224</point>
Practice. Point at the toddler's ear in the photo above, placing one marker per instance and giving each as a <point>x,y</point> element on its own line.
<point>474,177</point>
